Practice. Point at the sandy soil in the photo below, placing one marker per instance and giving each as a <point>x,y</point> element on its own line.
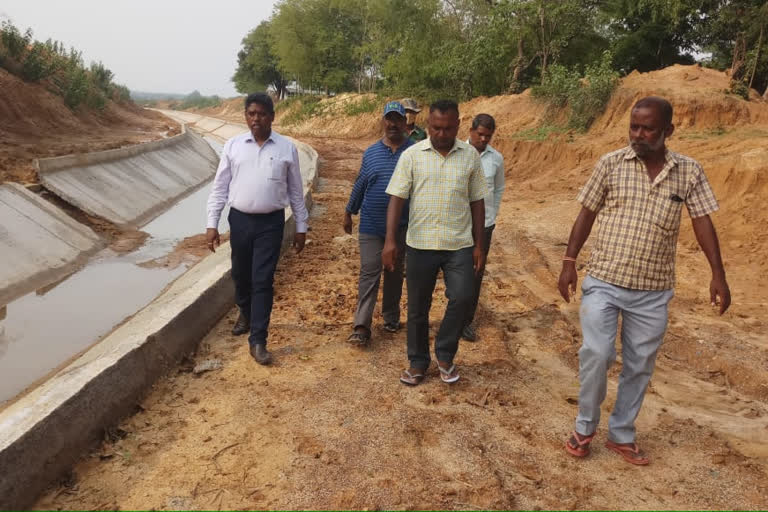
<point>329,425</point>
<point>34,123</point>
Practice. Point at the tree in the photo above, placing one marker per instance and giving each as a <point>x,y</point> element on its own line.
<point>735,34</point>
<point>257,66</point>
<point>315,41</point>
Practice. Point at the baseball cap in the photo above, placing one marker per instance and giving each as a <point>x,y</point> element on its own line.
<point>410,104</point>
<point>394,106</point>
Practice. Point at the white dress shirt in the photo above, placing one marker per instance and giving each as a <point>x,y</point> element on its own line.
<point>493,169</point>
<point>258,179</point>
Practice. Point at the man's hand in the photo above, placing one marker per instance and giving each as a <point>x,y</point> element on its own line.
<point>719,293</point>
<point>389,255</point>
<point>478,256</point>
<point>212,239</point>
<point>568,280</point>
<point>348,223</point>
<point>299,239</point>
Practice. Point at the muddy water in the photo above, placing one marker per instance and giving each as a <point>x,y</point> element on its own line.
<point>43,330</point>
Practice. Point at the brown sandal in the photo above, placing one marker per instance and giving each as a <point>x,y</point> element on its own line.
<point>578,445</point>
<point>630,451</point>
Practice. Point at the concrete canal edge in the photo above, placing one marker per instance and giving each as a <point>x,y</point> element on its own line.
<point>44,433</point>
<point>130,186</point>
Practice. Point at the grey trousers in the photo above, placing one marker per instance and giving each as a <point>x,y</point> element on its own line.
<point>422,268</point>
<point>370,276</point>
<point>643,323</point>
<point>479,276</point>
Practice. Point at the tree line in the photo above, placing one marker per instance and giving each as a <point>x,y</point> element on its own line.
<point>60,69</point>
<point>468,48</point>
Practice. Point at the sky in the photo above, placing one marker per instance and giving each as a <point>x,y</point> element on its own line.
<point>169,46</point>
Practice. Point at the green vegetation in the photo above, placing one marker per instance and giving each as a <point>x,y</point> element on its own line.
<point>365,105</point>
<point>196,100</point>
<point>586,96</point>
<point>467,48</point>
<point>60,70</point>
<point>540,133</point>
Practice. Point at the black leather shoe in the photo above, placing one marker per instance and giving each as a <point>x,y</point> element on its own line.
<point>468,333</point>
<point>242,326</point>
<point>261,354</point>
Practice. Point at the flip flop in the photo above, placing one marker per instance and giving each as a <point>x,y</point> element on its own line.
<point>580,445</point>
<point>450,375</point>
<point>412,379</point>
<point>630,452</point>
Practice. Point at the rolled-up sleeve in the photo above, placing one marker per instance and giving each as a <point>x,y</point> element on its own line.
<point>296,192</point>
<point>220,190</point>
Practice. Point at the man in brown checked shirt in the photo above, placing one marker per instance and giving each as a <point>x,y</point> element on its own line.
<point>636,194</point>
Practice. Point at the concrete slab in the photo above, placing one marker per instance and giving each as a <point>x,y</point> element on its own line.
<point>55,424</point>
<point>39,243</point>
<point>130,186</point>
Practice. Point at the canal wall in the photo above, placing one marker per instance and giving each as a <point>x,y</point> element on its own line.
<point>130,186</point>
<point>44,432</point>
<point>39,243</point>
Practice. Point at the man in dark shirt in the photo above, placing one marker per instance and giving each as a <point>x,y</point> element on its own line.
<point>370,199</point>
<point>414,133</point>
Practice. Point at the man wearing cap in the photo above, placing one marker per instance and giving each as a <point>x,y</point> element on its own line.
<point>415,133</point>
<point>258,176</point>
<point>370,199</point>
<point>480,134</point>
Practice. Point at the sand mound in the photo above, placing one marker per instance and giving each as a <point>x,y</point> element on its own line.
<point>36,123</point>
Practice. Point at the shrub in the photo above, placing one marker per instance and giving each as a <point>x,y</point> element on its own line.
<point>364,106</point>
<point>39,63</point>
<point>739,89</point>
<point>585,96</point>
<point>14,42</point>
<point>302,108</point>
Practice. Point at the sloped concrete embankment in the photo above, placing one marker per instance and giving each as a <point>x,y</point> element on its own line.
<point>130,186</point>
<point>39,243</point>
<point>46,431</point>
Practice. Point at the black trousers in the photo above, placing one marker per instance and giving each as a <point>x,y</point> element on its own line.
<point>256,239</point>
<point>421,273</point>
<point>479,276</point>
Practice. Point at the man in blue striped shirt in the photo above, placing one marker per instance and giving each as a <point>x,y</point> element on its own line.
<point>369,197</point>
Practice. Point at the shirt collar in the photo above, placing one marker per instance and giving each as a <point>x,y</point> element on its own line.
<point>487,151</point>
<point>669,156</point>
<point>249,137</point>
<point>405,145</point>
<point>428,146</point>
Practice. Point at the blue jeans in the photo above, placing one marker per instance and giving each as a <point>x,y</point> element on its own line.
<point>256,239</point>
<point>643,323</point>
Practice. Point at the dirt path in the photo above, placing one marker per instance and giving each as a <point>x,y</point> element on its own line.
<point>328,426</point>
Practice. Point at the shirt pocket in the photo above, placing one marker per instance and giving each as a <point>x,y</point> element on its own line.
<point>278,169</point>
<point>667,207</point>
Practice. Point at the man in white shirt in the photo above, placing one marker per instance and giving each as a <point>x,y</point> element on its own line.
<point>480,134</point>
<point>258,177</point>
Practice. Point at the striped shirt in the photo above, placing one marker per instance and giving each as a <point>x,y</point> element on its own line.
<point>638,221</point>
<point>440,189</point>
<point>369,195</point>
